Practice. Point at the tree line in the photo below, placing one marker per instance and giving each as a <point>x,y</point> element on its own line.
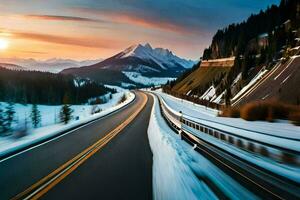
<point>31,87</point>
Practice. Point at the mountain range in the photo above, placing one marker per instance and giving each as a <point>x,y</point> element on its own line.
<point>142,61</point>
<point>53,65</point>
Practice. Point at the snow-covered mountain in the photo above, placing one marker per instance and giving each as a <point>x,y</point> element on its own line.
<point>140,60</point>
<point>11,66</point>
<point>163,57</point>
<point>53,65</point>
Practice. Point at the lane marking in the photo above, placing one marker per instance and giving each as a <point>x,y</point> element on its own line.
<point>64,134</point>
<point>45,184</point>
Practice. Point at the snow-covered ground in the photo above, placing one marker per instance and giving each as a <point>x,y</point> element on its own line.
<point>250,84</point>
<point>179,171</point>
<point>138,78</point>
<point>50,124</point>
<point>281,133</point>
<point>197,112</point>
<point>209,94</point>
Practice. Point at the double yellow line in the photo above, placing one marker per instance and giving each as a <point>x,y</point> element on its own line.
<point>45,184</point>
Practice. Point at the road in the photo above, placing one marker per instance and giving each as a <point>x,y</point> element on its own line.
<point>108,159</point>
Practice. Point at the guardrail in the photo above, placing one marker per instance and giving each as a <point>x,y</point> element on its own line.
<point>194,129</point>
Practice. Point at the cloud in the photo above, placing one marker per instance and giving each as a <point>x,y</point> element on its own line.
<point>61,18</point>
<point>84,42</point>
<point>29,52</point>
<point>126,17</point>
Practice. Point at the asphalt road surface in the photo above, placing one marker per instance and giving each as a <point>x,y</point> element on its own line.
<point>118,167</point>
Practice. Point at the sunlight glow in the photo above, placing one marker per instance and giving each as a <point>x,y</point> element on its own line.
<point>3,44</point>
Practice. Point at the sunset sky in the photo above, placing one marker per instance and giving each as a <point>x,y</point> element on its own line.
<point>92,29</point>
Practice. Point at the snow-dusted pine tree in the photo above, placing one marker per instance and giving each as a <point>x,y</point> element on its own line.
<point>1,120</point>
<point>9,117</point>
<point>35,116</point>
<point>65,114</point>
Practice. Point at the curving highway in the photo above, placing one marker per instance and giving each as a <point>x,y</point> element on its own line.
<point>110,158</point>
<point>107,159</point>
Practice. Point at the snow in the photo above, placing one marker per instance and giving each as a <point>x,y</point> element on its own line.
<point>179,171</point>
<point>219,98</point>
<point>297,47</point>
<point>280,134</point>
<point>139,78</point>
<point>287,66</point>
<point>159,55</point>
<point>127,85</point>
<point>250,84</point>
<point>209,94</point>
<point>239,77</point>
<point>50,125</point>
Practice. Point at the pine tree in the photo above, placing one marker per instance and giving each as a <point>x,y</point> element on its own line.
<point>35,116</point>
<point>9,117</point>
<point>227,97</point>
<point>65,114</point>
<point>1,120</point>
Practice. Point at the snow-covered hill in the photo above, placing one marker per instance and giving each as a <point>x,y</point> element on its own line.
<point>11,66</point>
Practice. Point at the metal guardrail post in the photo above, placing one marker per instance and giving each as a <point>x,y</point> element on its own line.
<point>181,119</point>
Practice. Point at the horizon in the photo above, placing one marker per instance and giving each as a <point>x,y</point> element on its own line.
<point>45,30</point>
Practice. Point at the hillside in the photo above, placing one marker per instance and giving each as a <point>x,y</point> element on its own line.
<point>143,60</point>
<point>11,66</point>
<point>253,49</point>
<point>279,83</point>
<point>204,75</point>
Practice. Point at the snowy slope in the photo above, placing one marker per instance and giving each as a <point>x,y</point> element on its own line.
<point>11,66</point>
<point>50,124</point>
<point>138,78</point>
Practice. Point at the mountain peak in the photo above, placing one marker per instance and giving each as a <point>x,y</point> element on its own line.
<point>148,46</point>
<point>160,56</point>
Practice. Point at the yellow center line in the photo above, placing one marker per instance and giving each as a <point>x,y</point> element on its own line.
<point>48,182</point>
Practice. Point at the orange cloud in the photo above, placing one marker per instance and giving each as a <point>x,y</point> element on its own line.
<point>61,18</point>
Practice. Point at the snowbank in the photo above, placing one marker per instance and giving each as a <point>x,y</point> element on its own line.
<point>138,78</point>
<point>281,134</point>
<point>179,171</point>
<point>9,144</point>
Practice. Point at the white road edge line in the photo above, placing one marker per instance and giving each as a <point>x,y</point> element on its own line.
<point>64,134</point>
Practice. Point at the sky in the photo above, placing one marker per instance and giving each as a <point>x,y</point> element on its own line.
<point>93,29</point>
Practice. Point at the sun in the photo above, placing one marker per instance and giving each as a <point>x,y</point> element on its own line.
<point>3,44</point>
